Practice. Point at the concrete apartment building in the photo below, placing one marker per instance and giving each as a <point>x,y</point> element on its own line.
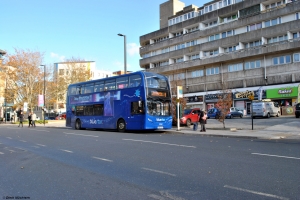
<point>240,44</point>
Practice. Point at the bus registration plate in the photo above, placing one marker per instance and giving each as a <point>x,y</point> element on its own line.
<point>160,127</point>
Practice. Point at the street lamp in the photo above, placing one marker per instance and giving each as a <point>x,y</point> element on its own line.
<point>125,65</point>
<point>44,92</point>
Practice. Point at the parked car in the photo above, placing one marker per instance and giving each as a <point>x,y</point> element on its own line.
<point>190,116</point>
<point>234,114</point>
<point>60,117</point>
<point>297,110</point>
<point>49,118</point>
<point>236,109</point>
<point>213,113</point>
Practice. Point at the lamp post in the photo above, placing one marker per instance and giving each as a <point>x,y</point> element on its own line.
<point>44,92</point>
<point>125,65</point>
<point>5,115</point>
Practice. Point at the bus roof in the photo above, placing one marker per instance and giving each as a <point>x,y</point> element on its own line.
<point>112,77</point>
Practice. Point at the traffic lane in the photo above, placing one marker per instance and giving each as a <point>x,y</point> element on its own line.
<point>25,174</point>
<point>153,169</point>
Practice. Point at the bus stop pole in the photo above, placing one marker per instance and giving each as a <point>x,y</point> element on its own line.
<point>178,122</point>
<point>252,113</point>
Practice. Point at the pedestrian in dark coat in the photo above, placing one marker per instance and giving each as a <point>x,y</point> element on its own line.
<point>29,120</point>
<point>21,119</point>
<point>203,121</point>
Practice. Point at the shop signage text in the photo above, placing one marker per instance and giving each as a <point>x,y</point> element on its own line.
<point>282,92</point>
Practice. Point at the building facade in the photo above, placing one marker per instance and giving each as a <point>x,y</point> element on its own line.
<point>240,45</point>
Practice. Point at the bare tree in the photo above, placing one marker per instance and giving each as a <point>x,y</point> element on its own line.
<point>24,76</point>
<point>224,102</point>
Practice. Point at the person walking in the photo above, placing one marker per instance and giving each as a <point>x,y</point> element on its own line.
<point>21,118</point>
<point>203,121</point>
<point>29,120</point>
<point>33,118</point>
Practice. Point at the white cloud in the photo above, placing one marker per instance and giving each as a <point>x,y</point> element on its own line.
<point>133,49</point>
<point>55,55</point>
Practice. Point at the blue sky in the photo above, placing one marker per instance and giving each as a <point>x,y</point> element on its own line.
<point>85,29</point>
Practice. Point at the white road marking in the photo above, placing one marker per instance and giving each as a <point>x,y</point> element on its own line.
<point>154,196</point>
<point>161,172</point>
<point>255,192</point>
<point>21,149</point>
<point>40,130</point>
<point>9,138</point>
<point>6,148</point>
<point>23,141</point>
<point>160,143</point>
<point>81,134</point>
<point>66,150</point>
<point>103,159</point>
<point>1,153</point>
<point>260,154</point>
<point>41,145</point>
<point>36,147</point>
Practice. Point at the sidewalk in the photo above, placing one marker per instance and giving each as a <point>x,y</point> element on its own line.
<point>289,130</point>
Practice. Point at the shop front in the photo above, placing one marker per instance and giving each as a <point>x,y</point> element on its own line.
<point>242,102</point>
<point>285,97</point>
<point>194,102</point>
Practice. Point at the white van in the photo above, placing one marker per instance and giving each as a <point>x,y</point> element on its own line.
<point>265,109</point>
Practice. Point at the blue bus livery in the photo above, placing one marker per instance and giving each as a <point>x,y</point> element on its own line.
<point>135,101</point>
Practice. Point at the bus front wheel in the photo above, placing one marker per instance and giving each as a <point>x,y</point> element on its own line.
<point>78,124</point>
<point>121,126</point>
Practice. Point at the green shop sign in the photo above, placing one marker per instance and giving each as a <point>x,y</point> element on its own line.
<point>282,92</point>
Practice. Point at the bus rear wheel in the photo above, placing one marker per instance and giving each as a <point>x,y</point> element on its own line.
<point>78,124</point>
<point>121,126</point>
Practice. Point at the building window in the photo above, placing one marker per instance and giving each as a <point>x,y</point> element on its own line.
<point>193,29</point>
<point>282,60</point>
<point>179,60</point>
<point>230,18</point>
<point>211,53</point>
<point>61,72</point>
<point>230,49</point>
<point>296,35</point>
<point>253,44</point>
<point>273,22</point>
<point>212,71</point>
<point>213,23</point>
<point>277,39</point>
<point>214,37</point>
<point>191,43</point>
<point>179,46</point>
<point>194,57</point>
<point>254,27</point>
<point>297,57</point>
<point>235,67</point>
<point>197,73</point>
<point>228,34</point>
<point>297,16</point>
<point>252,64</point>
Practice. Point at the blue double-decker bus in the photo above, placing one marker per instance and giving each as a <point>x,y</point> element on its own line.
<point>135,101</point>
